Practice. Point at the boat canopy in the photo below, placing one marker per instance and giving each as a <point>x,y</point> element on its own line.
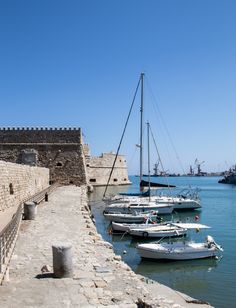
<point>191,226</point>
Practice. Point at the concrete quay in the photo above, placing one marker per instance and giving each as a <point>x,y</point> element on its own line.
<point>100,279</point>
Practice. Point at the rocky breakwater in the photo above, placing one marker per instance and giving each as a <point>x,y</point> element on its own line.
<point>100,277</point>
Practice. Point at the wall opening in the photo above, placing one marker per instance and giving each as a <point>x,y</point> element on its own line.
<point>11,189</point>
<point>59,164</point>
<point>92,180</point>
<point>115,180</point>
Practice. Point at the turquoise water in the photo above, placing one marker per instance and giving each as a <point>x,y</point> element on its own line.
<point>210,280</point>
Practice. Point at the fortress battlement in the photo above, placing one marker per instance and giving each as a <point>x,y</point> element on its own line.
<point>45,135</point>
<point>38,128</point>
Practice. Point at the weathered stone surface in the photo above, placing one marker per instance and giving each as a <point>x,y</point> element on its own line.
<point>60,150</point>
<point>19,182</point>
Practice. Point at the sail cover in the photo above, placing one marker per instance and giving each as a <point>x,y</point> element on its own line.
<point>153,184</point>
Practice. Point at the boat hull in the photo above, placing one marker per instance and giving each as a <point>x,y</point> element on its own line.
<point>177,203</point>
<point>128,208</point>
<point>127,218</point>
<point>157,233</point>
<point>124,227</point>
<point>181,253</point>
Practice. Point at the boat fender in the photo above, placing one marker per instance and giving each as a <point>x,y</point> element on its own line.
<point>145,234</point>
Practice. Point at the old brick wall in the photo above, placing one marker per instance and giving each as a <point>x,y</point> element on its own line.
<point>18,182</point>
<point>59,149</point>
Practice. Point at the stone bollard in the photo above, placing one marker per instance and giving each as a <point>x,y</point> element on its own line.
<point>62,261</point>
<point>29,210</point>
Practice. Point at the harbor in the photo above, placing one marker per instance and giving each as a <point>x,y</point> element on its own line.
<point>100,278</point>
<point>203,279</point>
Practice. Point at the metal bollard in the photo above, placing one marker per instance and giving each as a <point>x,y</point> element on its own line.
<point>29,210</point>
<point>62,261</point>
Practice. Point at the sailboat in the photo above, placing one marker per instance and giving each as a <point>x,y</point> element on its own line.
<point>142,204</point>
<point>183,201</point>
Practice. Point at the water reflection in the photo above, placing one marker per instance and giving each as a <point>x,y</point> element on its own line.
<point>171,266</point>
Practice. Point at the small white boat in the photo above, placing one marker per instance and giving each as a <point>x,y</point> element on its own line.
<point>162,209</point>
<point>124,227</point>
<point>163,230</point>
<point>135,217</point>
<point>180,250</point>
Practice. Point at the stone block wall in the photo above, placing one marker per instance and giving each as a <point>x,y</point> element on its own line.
<point>18,182</point>
<point>99,169</point>
<point>59,149</point>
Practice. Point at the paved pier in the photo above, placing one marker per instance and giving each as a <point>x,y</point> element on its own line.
<point>100,277</point>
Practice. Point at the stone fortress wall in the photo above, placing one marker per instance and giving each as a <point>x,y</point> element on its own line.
<point>59,149</point>
<point>62,151</point>
<point>18,182</point>
<point>99,168</point>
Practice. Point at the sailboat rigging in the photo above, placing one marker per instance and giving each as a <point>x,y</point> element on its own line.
<point>142,183</point>
<point>190,201</point>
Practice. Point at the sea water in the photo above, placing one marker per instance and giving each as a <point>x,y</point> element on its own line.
<point>210,280</point>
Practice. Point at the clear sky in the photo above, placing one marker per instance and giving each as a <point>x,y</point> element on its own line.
<point>77,63</point>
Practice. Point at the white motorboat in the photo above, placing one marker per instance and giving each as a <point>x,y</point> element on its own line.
<point>162,209</point>
<point>180,250</point>
<point>135,217</point>
<point>124,227</point>
<point>161,231</point>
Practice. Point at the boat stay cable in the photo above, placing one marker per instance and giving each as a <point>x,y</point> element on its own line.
<point>123,133</point>
<point>157,111</point>
<point>159,156</point>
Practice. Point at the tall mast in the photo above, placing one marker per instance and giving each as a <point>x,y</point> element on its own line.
<point>141,131</point>
<point>149,183</point>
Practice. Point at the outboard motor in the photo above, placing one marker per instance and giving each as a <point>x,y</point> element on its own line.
<point>211,243</point>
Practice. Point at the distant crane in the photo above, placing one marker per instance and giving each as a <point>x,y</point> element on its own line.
<point>198,166</point>
<point>191,172</point>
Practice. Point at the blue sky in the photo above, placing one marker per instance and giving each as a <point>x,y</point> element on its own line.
<point>77,63</point>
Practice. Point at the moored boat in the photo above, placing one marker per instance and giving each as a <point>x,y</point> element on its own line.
<point>185,200</point>
<point>146,206</point>
<point>186,250</point>
<point>158,231</point>
<point>135,217</point>
<point>124,227</point>
<point>229,177</point>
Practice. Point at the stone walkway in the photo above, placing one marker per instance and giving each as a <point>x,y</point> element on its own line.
<point>100,277</point>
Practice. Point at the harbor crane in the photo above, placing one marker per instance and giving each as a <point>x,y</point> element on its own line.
<point>198,166</point>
